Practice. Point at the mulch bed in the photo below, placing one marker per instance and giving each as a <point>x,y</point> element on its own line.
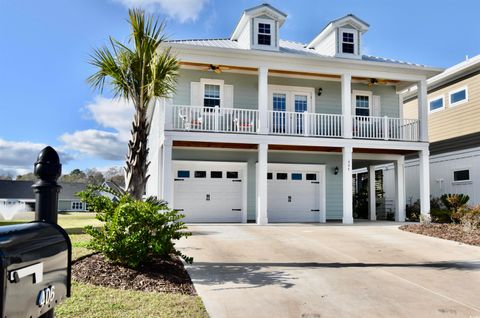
<point>159,276</point>
<point>453,232</point>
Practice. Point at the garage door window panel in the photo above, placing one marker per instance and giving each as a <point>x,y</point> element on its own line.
<point>200,174</point>
<point>216,174</point>
<point>183,174</point>
<point>282,176</point>
<point>311,176</point>
<point>297,176</point>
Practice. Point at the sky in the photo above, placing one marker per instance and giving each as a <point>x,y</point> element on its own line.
<point>45,47</point>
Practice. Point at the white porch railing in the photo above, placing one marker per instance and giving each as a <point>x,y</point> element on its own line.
<point>215,119</point>
<point>369,127</point>
<point>306,124</point>
<point>237,120</point>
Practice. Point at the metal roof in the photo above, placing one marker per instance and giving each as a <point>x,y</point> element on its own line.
<point>286,46</point>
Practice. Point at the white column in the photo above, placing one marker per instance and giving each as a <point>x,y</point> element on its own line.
<point>424,166</point>
<point>167,114</point>
<point>347,185</point>
<point>347,105</point>
<point>262,191</point>
<point>372,195</point>
<point>167,172</point>
<point>263,99</point>
<point>423,110</point>
<point>400,190</point>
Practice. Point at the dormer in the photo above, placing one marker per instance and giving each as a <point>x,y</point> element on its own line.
<point>259,27</point>
<point>341,38</point>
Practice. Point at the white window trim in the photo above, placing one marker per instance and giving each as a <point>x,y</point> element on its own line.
<point>340,42</point>
<point>209,81</point>
<point>273,34</point>
<point>462,181</point>
<point>77,202</point>
<point>356,93</point>
<point>290,92</point>
<point>442,97</point>
<point>456,91</point>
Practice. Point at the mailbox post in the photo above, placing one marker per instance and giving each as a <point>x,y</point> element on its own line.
<point>47,169</point>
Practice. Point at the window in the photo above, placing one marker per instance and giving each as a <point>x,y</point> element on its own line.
<point>211,95</point>
<point>232,175</point>
<point>269,176</point>
<point>436,104</point>
<point>461,175</point>
<point>183,174</point>
<point>200,174</point>
<point>282,176</point>
<point>77,205</point>
<point>362,105</point>
<point>264,34</point>
<point>216,174</point>
<point>459,96</point>
<point>348,43</point>
<point>311,176</point>
<point>296,176</point>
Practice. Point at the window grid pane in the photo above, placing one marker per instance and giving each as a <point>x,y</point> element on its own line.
<point>348,37</point>
<point>264,39</point>
<point>461,175</point>
<point>436,104</point>
<point>264,28</point>
<point>458,96</point>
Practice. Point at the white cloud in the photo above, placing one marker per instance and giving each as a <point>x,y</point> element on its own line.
<point>183,10</point>
<point>96,143</point>
<point>112,113</point>
<point>18,157</point>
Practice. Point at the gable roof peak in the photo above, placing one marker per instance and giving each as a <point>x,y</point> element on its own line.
<point>263,8</point>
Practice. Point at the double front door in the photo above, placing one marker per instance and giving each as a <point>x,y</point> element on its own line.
<point>288,108</point>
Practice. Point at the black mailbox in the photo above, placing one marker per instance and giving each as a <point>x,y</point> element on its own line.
<point>35,268</point>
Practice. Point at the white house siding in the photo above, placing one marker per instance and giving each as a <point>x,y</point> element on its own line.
<point>333,182</point>
<point>328,45</point>
<point>245,88</point>
<point>153,184</point>
<point>441,176</point>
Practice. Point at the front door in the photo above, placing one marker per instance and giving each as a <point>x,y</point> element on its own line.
<point>288,108</point>
<point>300,103</point>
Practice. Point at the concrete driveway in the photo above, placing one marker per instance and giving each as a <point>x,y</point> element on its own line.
<point>363,270</point>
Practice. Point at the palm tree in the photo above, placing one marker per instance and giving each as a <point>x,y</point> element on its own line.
<point>140,73</point>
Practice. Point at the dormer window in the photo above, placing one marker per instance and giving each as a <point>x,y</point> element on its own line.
<point>264,34</point>
<point>348,45</point>
<point>348,41</point>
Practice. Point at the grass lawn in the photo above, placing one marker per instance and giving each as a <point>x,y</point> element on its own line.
<point>90,301</point>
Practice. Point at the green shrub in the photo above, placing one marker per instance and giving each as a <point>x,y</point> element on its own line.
<point>413,210</point>
<point>134,232</point>
<point>453,202</point>
<point>440,215</point>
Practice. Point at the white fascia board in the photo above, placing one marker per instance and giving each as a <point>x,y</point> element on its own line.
<point>293,140</point>
<point>329,29</point>
<point>239,28</point>
<point>304,63</point>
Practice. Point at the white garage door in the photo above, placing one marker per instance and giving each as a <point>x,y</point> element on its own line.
<point>294,194</point>
<point>210,191</point>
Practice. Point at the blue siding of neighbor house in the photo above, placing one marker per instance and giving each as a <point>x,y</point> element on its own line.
<point>245,91</point>
<point>334,200</point>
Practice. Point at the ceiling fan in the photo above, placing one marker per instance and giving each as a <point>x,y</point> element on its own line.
<point>375,81</point>
<point>217,68</point>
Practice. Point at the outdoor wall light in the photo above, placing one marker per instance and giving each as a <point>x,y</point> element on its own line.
<point>335,171</point>
<point>320,90</point>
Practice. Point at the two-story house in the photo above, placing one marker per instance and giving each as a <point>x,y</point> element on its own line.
<point>454,132</point>
<point>268,130</point>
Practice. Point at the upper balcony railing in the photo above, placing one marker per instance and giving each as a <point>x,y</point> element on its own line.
<point>236,120</point>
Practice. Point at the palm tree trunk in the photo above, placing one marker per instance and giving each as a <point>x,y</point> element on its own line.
<point>136,162</point>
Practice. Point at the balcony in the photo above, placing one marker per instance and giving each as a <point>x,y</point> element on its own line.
<point>246,121</point>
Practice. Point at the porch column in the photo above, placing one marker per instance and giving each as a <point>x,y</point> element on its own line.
<point>423,110</point>
<point>424,165</point>
<point>263,99</point>
<point>167,108</point>
<point>400,190</point>
<point>167,170</point>
<point>347,105</point>
<point>347,185</point>
<point>372,195</point>
<point>262,194</point>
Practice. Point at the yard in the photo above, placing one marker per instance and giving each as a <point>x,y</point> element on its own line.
<point>92,301</point>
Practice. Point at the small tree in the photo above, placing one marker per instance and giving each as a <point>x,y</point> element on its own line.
<point>140,74</point>
<point>134,232</point>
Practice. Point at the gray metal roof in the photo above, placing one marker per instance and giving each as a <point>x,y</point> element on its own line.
<point>286,46</point>
<point>10,189</point>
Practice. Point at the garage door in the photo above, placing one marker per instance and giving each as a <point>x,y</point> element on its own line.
<point>293,195</point>
<point>210,191</point>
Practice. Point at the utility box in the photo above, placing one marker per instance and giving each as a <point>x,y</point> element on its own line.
<point>35,265</point>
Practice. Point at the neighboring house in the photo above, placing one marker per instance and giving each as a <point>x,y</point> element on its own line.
<point>112,186</point>
<point>454,131</point>
<point>268,130</point>
<point>21,192</point>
